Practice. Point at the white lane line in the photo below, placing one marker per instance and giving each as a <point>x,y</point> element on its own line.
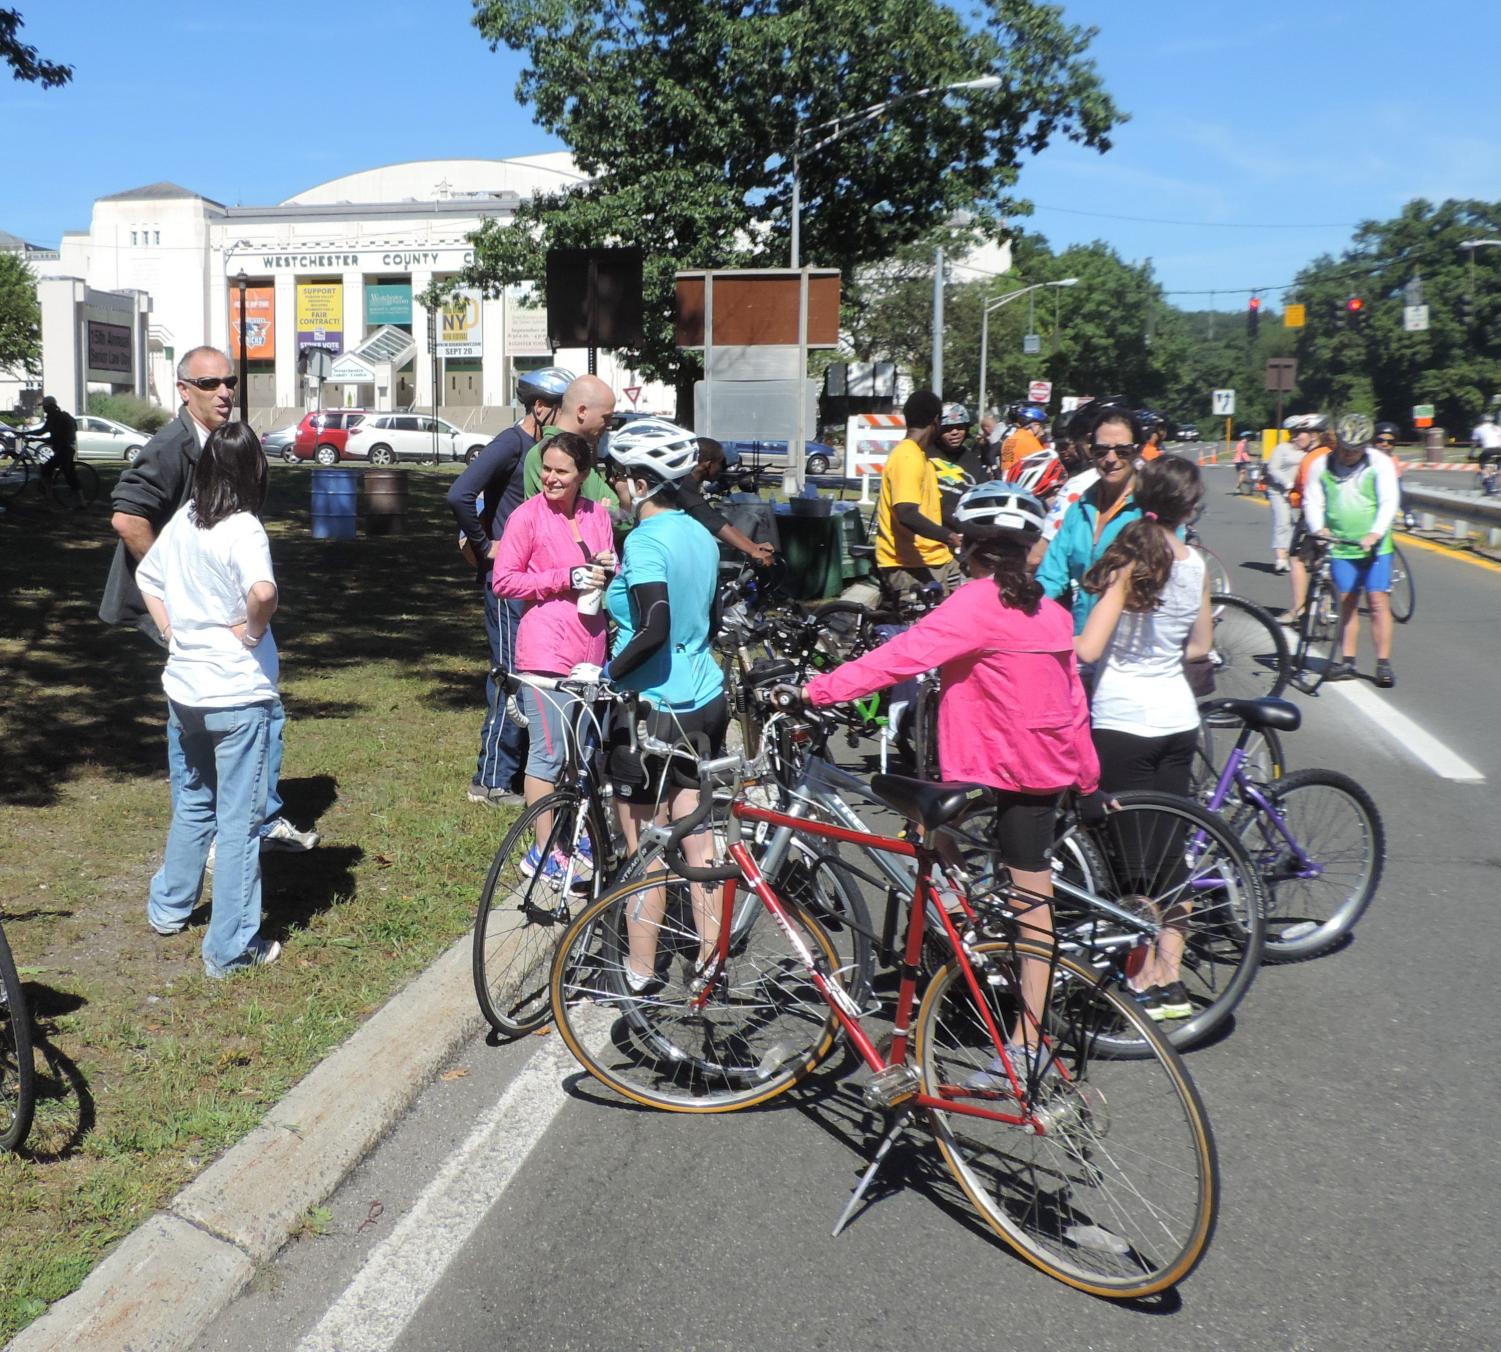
<point>1408,735</point>
<point>372,1311</point>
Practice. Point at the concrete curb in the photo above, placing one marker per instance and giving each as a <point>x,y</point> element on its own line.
<point>168,1279</point>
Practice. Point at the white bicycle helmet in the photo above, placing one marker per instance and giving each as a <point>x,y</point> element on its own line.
<point>954,415</point>
<point>653,449</point>
<point>1002,505</point>
<point>1039,473</point>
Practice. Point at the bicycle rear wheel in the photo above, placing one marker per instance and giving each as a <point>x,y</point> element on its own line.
<point>17,1069</point>
<point>522,916</point>
<point>65,495</point>
<point>1265,760</point>
<point>1320,882</point>
<point>761,1028</point>
<point>14,474</point>
<point>1214,570</point>
<point>1174,867</point>
<point>1318,635</point>
<point>1112,1183</point>
<point>1404,590</point>
<point>1250,650</point>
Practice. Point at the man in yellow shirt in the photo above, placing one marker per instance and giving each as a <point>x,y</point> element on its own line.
<point>913,546</point>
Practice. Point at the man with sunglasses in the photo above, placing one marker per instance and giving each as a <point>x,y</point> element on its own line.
<point>146,497</point>
<point>1100,514</point>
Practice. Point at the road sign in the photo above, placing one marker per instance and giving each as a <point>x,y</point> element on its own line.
<point>1224,404</point>
<point>1031,344</point>
<point>633,393</point>
<point>1281,374</point>
<point>1040,391</point>
<point>1294,316</point>
<point>1415,318</point>
<point>1422,415</point>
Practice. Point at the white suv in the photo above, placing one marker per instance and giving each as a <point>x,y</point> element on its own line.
<point>385,438</point>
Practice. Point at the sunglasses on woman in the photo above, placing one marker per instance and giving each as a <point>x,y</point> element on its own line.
<point>1121,448</point>
<point>208,384</point>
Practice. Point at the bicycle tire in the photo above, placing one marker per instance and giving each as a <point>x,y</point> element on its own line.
<point>17,1066</point>
<point>1337,824</point>
<point>1404,593</point>
<point>62,491</point>
<point>15,473</point>
<point>925,732</point>
<point>847,629</point>
<point>1249,650</point>
<point>1318,634</point>
<point>1214,570</point>
<point>521,919</point>
<point>757,1035</point>
<point>1118,1193</point>
<point>1144,859</point>
<point>1265,763</point>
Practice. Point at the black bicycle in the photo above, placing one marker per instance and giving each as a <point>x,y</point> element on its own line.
<point>30,460</point>
<point>17,1070</point>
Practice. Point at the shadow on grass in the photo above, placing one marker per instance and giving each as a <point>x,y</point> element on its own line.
<point>305,800</point>
<point>65,1112</point>
<point>73,691</point>
<point>296,887</point>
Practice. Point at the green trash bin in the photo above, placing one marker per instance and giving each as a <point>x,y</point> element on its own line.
<point>811,549</point>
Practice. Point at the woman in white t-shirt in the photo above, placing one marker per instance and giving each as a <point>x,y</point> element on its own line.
<point>208,584</point>
<point>1153,612</point>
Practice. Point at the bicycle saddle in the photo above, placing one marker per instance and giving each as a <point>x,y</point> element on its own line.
<point>929,805</point>
<point>1258,713</point>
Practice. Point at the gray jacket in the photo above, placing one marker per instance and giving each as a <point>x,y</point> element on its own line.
<point>154,487</point>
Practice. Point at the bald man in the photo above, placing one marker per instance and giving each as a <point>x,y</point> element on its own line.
<point>587,407</point>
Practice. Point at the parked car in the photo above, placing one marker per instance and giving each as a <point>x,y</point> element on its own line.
<point>385,438</point>
<point>103,438</point>
<point>278,444</point>
<point>821,457</point>
<point>1186,431</point>
<point>324,437</point>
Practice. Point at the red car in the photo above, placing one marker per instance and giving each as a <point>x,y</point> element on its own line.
<point>324,437</point>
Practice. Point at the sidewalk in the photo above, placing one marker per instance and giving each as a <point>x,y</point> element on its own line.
<point>162,1286</point>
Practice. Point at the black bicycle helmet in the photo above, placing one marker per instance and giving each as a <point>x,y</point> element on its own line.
<point>1388,429</point>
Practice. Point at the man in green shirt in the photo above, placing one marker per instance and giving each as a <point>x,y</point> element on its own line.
<point>587,407</point>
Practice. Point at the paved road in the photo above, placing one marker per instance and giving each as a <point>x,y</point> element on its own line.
<point>1353,1103</point>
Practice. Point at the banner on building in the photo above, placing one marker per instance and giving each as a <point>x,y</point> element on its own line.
<point>109,360</point>
<point>461,332</point>
<point>260,323</point>
<point>388,303</point>
<point>320,315</point>
<point>526,325</point>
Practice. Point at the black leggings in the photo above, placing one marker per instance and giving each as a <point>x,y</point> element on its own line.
<point>1131,762</point>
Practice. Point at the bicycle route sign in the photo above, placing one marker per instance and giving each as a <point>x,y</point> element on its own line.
<point>1223,403</point>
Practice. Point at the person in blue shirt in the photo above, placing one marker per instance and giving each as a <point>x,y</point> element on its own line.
<point>663,602</point>
<point>1106,509</point>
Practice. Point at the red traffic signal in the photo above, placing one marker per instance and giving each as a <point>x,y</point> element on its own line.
<point>1256,302</point>
<point>1355,305</point>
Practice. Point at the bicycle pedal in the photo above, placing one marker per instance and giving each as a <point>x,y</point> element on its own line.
<point>890,1086</point>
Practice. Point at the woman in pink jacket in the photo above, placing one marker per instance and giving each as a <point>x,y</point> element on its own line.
<point>1012,714</point>
<point>556,555</point>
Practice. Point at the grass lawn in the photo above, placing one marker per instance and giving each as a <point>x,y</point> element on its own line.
<point>148,1069</point>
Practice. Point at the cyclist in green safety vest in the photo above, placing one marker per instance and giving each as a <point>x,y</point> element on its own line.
<point>1350,499</point>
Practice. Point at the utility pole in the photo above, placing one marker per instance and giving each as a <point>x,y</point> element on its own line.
<point>938,322</point>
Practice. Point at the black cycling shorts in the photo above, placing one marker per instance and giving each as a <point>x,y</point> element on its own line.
<point>639,778</point>
<point>1025,824</point>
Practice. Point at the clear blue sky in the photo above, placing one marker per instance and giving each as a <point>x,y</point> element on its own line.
<point>1246,119</point>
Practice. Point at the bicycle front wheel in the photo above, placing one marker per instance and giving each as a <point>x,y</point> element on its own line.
<point>1192,890</point>
<point>17,1069</point>
<point>1110,1183</point>
<point>760,1027</point>
<point>1250,650</point>
<point>1318,635</point>
<point>65,495</point>
<point>530,895</point>
<point>1321,850</point>
<point>1404,590</point>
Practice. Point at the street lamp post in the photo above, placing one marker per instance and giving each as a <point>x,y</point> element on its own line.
<point>240,280</point>
<point>996,305</point>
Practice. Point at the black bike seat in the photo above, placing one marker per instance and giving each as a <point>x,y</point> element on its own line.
<point>1258,713</point>
<point>929,805</point>
<point>862,551</point>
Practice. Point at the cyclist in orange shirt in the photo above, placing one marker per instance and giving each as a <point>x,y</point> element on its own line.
<point>1299,552</point>
<point>1024,441</point>
<point>1151,425</point>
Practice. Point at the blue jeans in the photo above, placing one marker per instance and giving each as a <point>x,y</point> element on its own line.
<point>219,761</point>
<point>273,783</point>
<point>500,739</point>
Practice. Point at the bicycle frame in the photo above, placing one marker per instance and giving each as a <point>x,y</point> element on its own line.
<point>1234,774</point>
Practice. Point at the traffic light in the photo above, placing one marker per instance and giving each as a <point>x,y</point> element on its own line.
<point>1355,308</point>
<point>1467,311</point>
<point>1253,317</point>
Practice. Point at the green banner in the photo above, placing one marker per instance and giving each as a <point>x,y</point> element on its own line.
<point>388,303</point>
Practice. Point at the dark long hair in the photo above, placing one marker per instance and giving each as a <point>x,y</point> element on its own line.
<point>1167,490</point>
<point>1005,553</point>
<point>230,475</point>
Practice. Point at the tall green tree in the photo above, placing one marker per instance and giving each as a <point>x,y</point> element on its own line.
<point>20,318</point>
<point>23,59</point>
<point>684,113</point>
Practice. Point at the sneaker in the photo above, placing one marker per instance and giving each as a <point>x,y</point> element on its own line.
<point>496,797</point>
<point>552,871</point>
<point>1169,1002</point>
<point>167,931</point>
<point>1386,678</point>
<point>258,953</point>
<point>280,834</point>
<point>213,849</point>
<point>1343,670</point>
<point>994,1078</point>
<point>1281,566</point>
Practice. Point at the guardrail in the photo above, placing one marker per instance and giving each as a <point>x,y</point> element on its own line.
<point>1431,504</point>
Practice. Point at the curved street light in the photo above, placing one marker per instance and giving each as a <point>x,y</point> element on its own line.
<point>996,305</point>
<point>839,126</point>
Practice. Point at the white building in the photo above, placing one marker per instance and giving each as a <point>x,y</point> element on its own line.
<point>339,268</point>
